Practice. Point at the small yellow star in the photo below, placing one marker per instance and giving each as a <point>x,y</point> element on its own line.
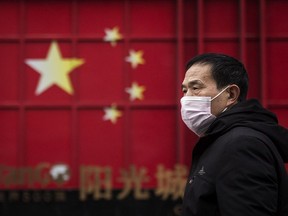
<point>112,113</point>
<point>136,91</point>
<point>112,35</point>
<point>135,58</point>
<point>54,70</point>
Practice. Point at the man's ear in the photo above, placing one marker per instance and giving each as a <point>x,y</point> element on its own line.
<point>234,92</point>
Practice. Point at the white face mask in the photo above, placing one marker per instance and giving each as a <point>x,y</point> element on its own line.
<point>196,112</point>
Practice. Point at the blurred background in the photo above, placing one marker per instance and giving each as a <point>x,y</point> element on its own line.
<point>90,91</point>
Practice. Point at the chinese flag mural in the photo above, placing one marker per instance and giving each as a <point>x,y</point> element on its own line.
<point>90,107</point>
<point>90,90</point>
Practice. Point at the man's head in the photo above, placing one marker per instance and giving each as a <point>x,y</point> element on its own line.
<point>208,74</point>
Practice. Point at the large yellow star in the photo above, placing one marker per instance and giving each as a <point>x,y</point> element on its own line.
<point>112,35</point>
<point>112,114</point>
<point>135,58</point>
<point>54,70</point>
<point>136,91</point>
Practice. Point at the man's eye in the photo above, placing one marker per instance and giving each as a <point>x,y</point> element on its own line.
<point>195,88</point>
<point>184,91</point>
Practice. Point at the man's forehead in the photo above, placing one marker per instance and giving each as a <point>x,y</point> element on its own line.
<point>199,68</point>
<point>198,72</point>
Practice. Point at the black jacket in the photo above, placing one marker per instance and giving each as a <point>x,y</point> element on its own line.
<point>237,167</point>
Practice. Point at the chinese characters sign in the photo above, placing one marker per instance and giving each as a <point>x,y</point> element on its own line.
<point>96,181</point>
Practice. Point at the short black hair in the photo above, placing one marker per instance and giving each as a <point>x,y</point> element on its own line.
<point>225,70</point>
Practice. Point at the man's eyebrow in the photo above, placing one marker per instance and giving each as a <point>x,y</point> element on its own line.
<point>191,83</point>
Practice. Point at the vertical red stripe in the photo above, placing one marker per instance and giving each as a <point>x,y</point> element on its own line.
<point>127,122</point>
<point>180,72</point>
<point>242,21</point>
<point>263,64</point>
<point>74,149</point>
<point>200,26</point>
<point>22,149</point>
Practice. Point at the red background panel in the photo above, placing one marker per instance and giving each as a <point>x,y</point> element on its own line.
<point>10,10</point>
<point>277,17</point>
<point>277,52</point>
<point>153,18</point>
<point>101,78</point>
<point>48,136</point>
<point>190,17</point>
<point>190,50</point>
<point>48,17</point>
<point>153,138</point>
<point>227,47</point>
<point>252,67</point>
<point>252,14</point>
<point>94,17</point>
<point>9,81</point>
<point>217,14</point>
<point>9,127</point>
<point>102,142</point>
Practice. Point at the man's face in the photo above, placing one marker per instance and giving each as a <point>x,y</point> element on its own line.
<point>198,81</point>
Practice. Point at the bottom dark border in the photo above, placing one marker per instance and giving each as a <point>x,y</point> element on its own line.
<point>62,203</point>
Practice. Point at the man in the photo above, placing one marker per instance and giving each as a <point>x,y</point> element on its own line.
<point>238,162</point>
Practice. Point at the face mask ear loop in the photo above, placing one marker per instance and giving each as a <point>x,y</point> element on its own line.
<point>220,92</point>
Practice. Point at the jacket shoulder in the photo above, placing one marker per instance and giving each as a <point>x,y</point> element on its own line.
<point>242,137</point>
<point>242,141</point>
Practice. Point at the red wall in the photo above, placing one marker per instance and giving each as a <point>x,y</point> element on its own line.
<point>59,127</point>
